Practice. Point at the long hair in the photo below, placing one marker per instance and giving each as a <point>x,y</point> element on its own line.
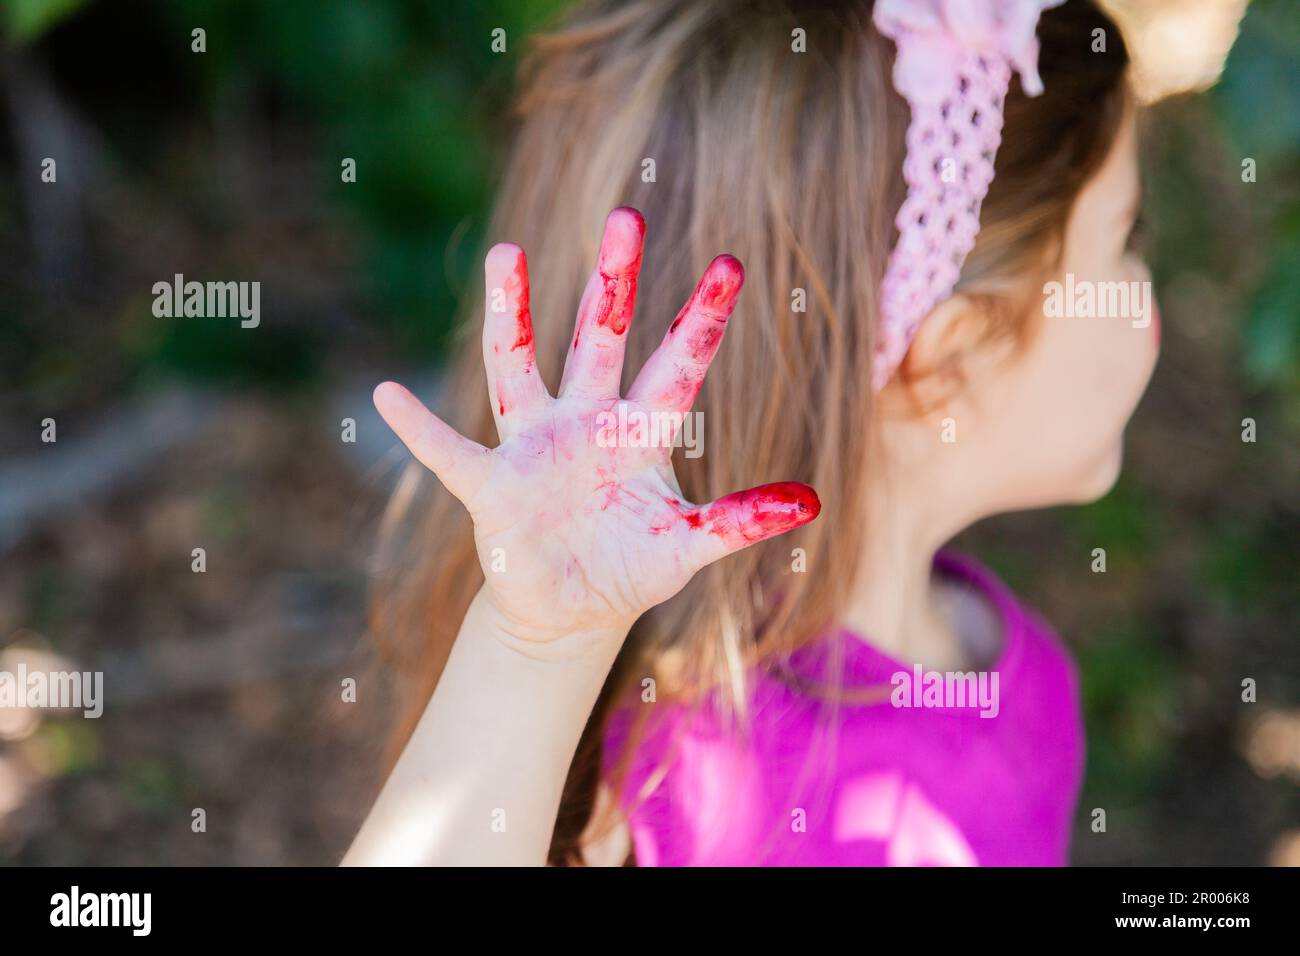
<point>710,119</point>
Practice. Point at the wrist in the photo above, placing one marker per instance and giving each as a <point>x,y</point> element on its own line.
<point>559,645</point>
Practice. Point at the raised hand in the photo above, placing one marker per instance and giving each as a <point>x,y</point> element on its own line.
<point>580,526</point>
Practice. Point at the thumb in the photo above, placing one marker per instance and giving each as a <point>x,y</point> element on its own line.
<point>746,517</point>
<point>460,464</point>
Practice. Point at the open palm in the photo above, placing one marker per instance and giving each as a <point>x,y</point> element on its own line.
<point>577,515</point>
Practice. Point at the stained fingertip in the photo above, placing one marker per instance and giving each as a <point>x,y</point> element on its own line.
<point>781,507</point>
<point>502,257</point>
<point>720,286</point>
<point>746,517</point>
<point>729,264</point>
<point>621,246</point>
<point>628,217</point>
<point>508,320</point>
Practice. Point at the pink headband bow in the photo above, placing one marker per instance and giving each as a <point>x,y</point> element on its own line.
<point>953,65</point>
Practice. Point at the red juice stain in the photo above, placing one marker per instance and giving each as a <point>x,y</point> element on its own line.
<point>525,336</point>
<point>692,518</point>
<point>762,512</point>
<point>619,263</point>
<point>517,286</point>
<point>612,496</point>
<point>707,343</point>
<point>716,293</point>
<point>783,505</point>
<point>615,307</point>
<point>721,285</point>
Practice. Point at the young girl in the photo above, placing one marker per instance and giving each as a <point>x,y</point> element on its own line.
<point>611,655</point>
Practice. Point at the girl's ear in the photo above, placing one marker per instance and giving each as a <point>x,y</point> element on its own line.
<point>945,354</point>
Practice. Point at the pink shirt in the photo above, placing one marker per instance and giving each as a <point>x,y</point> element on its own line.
<point>871,784</point>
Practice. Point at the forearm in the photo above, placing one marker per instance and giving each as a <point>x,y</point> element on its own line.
<point>479,782</point>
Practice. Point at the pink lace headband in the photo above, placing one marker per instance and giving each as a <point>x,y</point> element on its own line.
<point>953,65</point>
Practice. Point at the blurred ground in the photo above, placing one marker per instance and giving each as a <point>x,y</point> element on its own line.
<point>226,684</point>
<point>218,679</point>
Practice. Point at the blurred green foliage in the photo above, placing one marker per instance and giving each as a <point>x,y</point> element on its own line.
<point>1258,100</point>
<point>149,785</point>
<point>1130,522</point>
<point>26,20</point>
<point>414,93</point>
<point>1130,697</point>
<point>411,90</point>
<point>70,746</point>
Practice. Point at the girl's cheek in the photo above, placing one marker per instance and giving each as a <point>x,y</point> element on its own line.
<point>1141,272</point>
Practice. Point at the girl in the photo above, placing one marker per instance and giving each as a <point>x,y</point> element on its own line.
<point>602,670</point>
